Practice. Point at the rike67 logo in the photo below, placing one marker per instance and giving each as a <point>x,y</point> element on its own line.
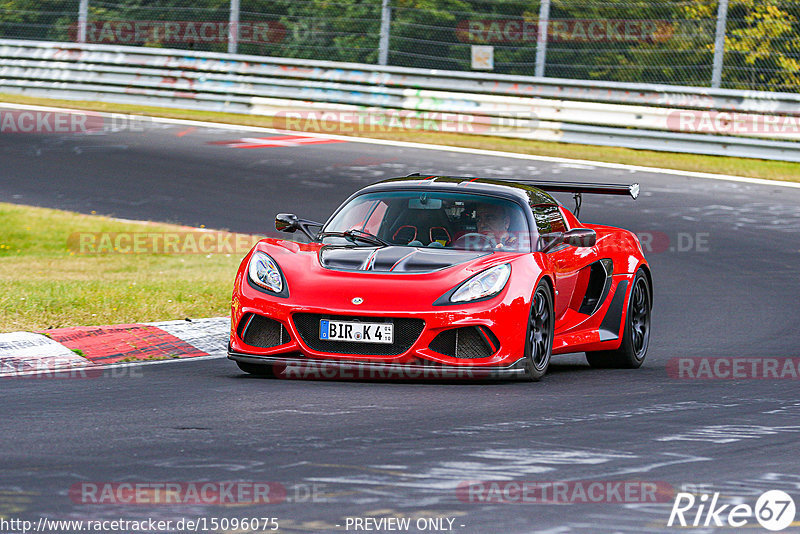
<point>774,510</point>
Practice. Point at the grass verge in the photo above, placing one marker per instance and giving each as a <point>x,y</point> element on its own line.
<point>44,283</point>
<point>771,170</point>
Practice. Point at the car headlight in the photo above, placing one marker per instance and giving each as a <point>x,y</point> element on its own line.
<point>264,272</point>
<point>483,285</point>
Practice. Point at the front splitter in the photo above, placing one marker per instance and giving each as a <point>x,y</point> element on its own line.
<point>299,368</point>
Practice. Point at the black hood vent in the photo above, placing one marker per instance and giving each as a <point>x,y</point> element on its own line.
<point>393,259</point>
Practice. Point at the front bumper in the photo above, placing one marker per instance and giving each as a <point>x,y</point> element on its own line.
<point>500,324</point>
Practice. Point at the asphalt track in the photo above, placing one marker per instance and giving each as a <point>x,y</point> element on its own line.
<point>724,258</point>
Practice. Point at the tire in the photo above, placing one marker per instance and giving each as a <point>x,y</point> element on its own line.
<point>256,369</point>
<point>636,336</point>
<point>539,335</point>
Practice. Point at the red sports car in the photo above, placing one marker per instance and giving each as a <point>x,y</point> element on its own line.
<point>443,276</point>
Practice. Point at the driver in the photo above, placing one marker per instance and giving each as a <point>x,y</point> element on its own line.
<point>493,222</point>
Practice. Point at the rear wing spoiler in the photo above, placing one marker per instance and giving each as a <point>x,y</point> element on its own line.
<point>578,189</point>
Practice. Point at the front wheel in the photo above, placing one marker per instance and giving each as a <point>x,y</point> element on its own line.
<point>636,337</point>
<point>539,336</point>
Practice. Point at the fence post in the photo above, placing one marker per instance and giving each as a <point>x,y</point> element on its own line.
<point>541,38</point>
<point>719,43</point>
<point>386,24</point>
<point>233,28</point>
<point>83,19</point>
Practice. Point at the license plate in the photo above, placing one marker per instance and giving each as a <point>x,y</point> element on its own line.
<point>356,331</point>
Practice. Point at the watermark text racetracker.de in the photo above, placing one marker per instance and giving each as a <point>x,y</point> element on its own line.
<point>733,368</point>
<point>366,121</point>
<point>320,370</point>
<point>187,493</point>
<point>518,31</point>
<point>565,492</point>
<point>60,368</point>
<point>656,242</point>
<point>15,121</point>
<point>733,123</point>
<point>179,242</point>
<point>180,31</point>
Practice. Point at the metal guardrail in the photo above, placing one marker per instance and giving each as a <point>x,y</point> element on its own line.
<point>642,116</point>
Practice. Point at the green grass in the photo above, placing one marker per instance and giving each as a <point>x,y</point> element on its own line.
<point>771,170</point>
<point>44,284</point>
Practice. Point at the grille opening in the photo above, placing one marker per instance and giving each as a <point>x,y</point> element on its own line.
<point>406,332</point>
<point>259,331</point>
<point>468,343</point>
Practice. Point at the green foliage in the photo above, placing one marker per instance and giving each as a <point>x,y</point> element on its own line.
<point>762,45</point>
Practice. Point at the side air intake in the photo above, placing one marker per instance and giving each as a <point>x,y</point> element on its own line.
<point>259,331</point>
<point>468,343</point>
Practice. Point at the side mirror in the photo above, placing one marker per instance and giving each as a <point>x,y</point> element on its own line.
<point>287,222</point>
<point>577,237</point>
<point>580,237</point>
<point>290,223</point>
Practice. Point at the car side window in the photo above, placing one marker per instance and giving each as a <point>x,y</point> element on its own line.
<point>549,223</point>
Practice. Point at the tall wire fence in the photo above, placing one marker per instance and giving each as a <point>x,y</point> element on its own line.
<point>757,42</point>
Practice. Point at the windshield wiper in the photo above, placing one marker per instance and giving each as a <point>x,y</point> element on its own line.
<point>356,235</point>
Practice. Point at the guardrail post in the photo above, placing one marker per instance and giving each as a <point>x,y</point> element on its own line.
<point>541,38</point>
<point>386,24</point>
<point>233,28</point>
<point>719,43</point>
<point>83,19</point>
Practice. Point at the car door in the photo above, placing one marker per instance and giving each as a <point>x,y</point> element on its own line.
<point>566,261</point>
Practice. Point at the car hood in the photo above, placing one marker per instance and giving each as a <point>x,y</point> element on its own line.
<point>313,286</point>
<point>393,259</point>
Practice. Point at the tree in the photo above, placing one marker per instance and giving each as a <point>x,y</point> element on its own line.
<point>762,46</point>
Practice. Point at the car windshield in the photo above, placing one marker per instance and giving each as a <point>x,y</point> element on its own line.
<point>431,219</point>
